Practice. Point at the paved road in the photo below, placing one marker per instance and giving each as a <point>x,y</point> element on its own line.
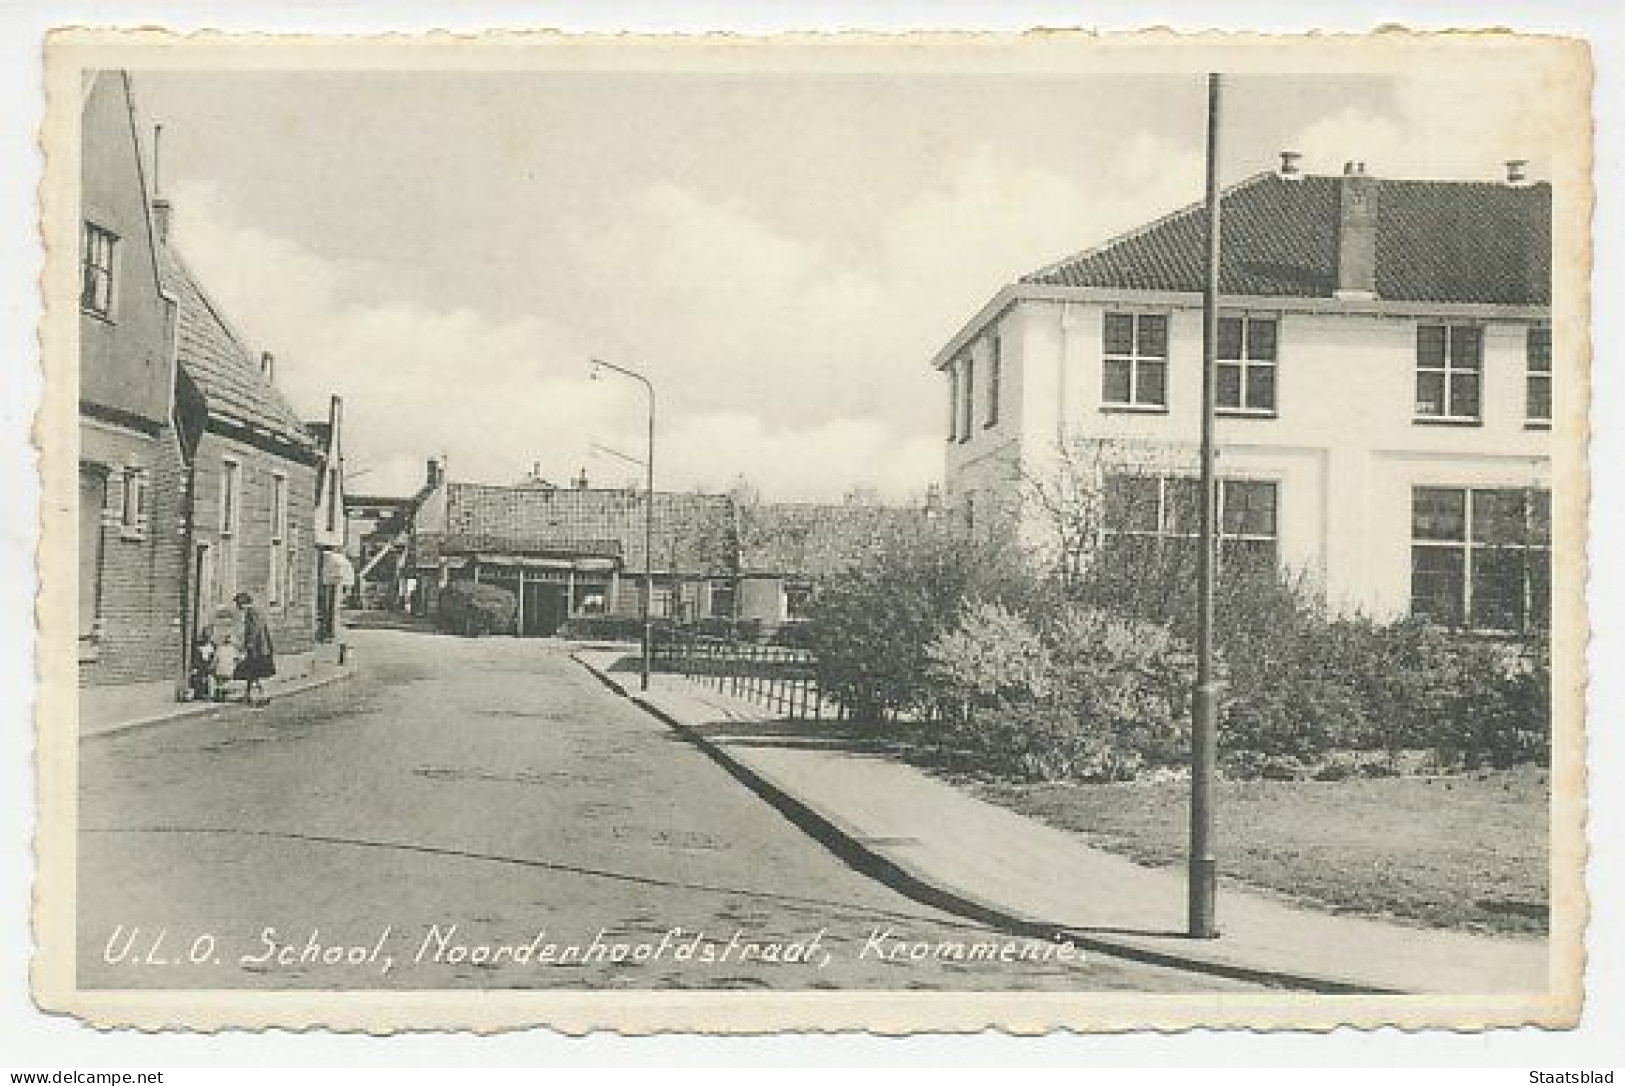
<point>485,814</point>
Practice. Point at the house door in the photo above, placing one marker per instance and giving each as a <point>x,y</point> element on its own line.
<point>544,609</point>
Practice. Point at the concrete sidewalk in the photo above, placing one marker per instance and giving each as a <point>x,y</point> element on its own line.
<point>111,710</point>
<point>934,841</point>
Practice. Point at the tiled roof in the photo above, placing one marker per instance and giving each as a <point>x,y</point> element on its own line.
<point>224,371</point>
<point>810,540</point>
<point>693,533</point>
<point>1437,241</point>
<point>431,546</point>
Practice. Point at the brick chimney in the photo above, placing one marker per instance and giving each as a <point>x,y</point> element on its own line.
<point>268,367</point>
<point>160,202</point>
<point>581,480</point>
<point>1357,234</point>
<point>431,475</point>
<point>1517,174</point>
<point>1291,168</point>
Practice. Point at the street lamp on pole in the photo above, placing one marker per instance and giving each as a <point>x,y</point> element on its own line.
<point>648,513</point>
<point>1203,876</point>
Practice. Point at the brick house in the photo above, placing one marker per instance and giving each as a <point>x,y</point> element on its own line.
<point>253,468</point>
<point>1385,390</point>
<point>131,464</point>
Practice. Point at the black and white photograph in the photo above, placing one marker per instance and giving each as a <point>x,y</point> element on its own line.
<point>741,535</point>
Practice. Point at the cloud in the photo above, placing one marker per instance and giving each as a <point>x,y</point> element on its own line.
<point>1438,128</point>
<point>497,395</point>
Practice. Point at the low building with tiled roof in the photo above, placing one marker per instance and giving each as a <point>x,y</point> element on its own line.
<point>567,552</point>
<point>1385,390</point>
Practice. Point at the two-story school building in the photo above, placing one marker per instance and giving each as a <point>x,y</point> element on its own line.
<point>1385,388</point>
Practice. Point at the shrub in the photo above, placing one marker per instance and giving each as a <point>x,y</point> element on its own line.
<point>994,656</point>
<point>603,628</point>
<point>473,609</point>
<point>1045,741</point>
<point>871,623</point>
<point>1130,680</point>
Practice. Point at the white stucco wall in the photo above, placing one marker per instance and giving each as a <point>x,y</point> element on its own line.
<point>1344,446</point>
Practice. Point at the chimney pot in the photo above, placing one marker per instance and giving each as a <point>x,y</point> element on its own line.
<point>581,480</point>
<point>1290,168</point>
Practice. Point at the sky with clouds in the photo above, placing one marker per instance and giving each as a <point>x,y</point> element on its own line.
<point>781,254</point>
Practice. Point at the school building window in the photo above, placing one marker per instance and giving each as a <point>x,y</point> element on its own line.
<point>1538,380</point>
<point>1135,360</point>
<point>1481,558</point>
<point>96,268</point>
<point>1148,519</point>
<point>995,377</point>
<point>276,588</point>
<point>1246,365</point>
<point>1449,371</point>
<point>953,402</point>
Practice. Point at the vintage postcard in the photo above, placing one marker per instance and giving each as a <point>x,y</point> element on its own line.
<point>852,532</point>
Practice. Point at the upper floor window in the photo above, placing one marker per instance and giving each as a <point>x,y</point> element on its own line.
<point>953,402</point>
<point>995,377</point>
<point>96,268</point>
<point>1538,396</point>
<point>1135,360</point>
<point>967,382</point>
<point>1481,558</point>
<point>133,518</point>
<point>1246,364</point>
<point>1449,371</point>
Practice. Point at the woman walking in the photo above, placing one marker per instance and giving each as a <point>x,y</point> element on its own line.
<point>258,661</point>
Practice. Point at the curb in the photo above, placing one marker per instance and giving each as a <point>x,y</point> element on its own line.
<point>203,710</point>
<point>848,844</point>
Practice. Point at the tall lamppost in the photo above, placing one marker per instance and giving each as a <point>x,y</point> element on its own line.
<point>1203,876</point>
<point>648,512</point>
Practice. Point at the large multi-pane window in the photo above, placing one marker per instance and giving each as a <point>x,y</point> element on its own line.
<point>1481,558</point>
<point>1449,371</point>
<point>1246,364</point>
<point>1538,379</point>
<point>1134,354</point>
<point>96,265</point>
<point>1147,516</point>
<point>953,402</point>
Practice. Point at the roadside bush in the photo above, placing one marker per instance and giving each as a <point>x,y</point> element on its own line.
<point>870,624</point>
<point>1130,680</point>
<point>993,657</point>
<point>473,610</point>
<point>603,628</point>
<point>1045,741</point>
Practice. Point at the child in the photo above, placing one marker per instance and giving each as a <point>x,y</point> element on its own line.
<point>202,676</point>
<point>224,663</point>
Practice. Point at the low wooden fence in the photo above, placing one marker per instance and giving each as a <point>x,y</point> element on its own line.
<point>782,680</point>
